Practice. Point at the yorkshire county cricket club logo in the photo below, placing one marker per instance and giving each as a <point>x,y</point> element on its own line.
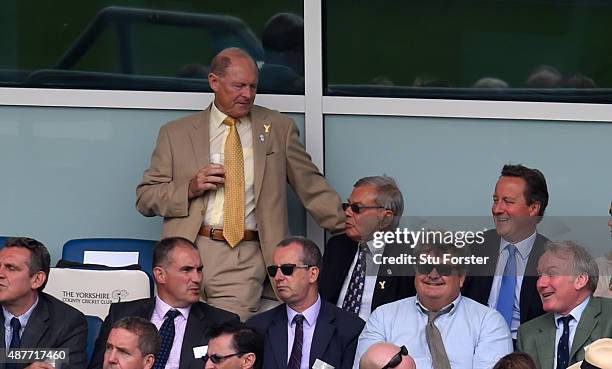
<point>119,294</point>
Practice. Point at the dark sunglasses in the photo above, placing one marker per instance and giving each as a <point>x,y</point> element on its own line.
<point>397,359</point>
<point>442,269</point>
<point>286,269</point>
<point>357,208</point>
<point>216,359</point>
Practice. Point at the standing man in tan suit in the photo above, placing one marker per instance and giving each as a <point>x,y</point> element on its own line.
<point>196,174</point>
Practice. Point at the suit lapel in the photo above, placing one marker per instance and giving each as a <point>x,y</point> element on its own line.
<point>259,147</point>
<point>277,336</point>
<point>545,341</point>
<point>529,292</point>
<point>195,332</point>
<point>37,325</point>
<point>200,138</point>
<point>324,331</point>
<point>587,323</point>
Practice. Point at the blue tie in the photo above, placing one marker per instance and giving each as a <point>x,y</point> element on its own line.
<point>15,339</point>
<point>563,346</point>
<point>505,301</point>
<point>166,332</point>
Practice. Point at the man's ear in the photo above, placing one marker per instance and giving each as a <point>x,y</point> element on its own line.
<point>159,274</point>
<point>38,279</point>
<point>580,281</point>
<point>534,209</point>
<point>213,81</point>
<point>149,361</point>
<point>314,274</point>
<point>248,360</point>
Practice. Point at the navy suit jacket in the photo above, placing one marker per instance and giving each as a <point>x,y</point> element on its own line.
<point>339,254</point>
<point>334,340</point>
<point>201,317</point>
<point>54,324</point>
<point>479,280</point>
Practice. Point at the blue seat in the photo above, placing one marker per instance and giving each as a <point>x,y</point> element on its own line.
<point>93,329</point>
<point>74,250</point>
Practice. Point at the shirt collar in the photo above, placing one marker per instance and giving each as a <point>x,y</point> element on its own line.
<point>217,117</point>
<point>374,250</point>
<point>161,308</point>
<point>310,314</point>
<point>455,303</point>
<point>576,312</point>
<point>23,318</point>
<point>524,247</point>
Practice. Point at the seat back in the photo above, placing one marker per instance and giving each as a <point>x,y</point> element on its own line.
<point>92,291</point>
<point>94,324</point>
<point>111,252</point>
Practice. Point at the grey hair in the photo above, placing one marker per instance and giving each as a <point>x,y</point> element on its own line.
<point>582,261</point>
<point>388,196</point>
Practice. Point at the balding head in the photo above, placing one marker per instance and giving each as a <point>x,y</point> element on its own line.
<point>379,355</point>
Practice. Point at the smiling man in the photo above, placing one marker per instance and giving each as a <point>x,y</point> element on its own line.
<point>439,327</point>
<point>508,281</point>
<point>235,211</point>
<point>304,329</point>
<point>32,319</point>
<point>350,279</point>
<point>574,319</point>
<point>183,321</point>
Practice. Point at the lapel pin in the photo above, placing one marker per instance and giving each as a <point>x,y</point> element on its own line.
<point>382,284</point>
<point>261,137</point>
<point>266,128</point>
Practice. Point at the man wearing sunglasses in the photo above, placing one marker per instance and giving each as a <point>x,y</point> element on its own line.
<point>234,345</point>
<point>350,279</point>
<point>384,355</point>
<point>508,281</point>
<point>304,329</point>
<point>439,327</point>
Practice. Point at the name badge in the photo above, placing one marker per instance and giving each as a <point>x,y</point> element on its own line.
<point>320,364</point>
<point>200,351</point>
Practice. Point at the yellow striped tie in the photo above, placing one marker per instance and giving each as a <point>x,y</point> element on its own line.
<point>233,204</point>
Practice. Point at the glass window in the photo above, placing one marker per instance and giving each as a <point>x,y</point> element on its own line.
<point>162,45</point>
<point>539,50</point>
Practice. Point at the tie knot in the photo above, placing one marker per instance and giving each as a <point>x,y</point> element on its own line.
<point>230,121</point>
<point>565,320</point>
<point>432,315</point>
<point>363,247</point>
<point>15,324</point>
<point>298,319</point>
<point>511,249</point>
<point>172,313</point>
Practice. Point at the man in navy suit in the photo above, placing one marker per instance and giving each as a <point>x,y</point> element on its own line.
<point>304,330</point>
<point>513,248</point>
<point>376,204</point>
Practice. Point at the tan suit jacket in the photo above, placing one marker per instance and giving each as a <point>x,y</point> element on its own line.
<point>279,157</point>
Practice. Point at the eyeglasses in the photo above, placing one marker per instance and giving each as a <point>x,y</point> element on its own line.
<point>217,359</point>
<point>397,359</point>
<point>442,269</point>
<point>286,269</point>
<point>357,208</point>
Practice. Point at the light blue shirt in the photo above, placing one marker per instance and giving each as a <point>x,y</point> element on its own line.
<point>23,320</point>
<point>474,336</point>
<point>309,324</point>
<point>523,249</point>
<point>576,313</point>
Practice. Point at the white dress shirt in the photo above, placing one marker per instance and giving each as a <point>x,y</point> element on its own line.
<point>576,313</point>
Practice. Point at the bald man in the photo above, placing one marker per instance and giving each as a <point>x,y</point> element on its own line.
<point>219,178</point>
<point>386,355</point>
